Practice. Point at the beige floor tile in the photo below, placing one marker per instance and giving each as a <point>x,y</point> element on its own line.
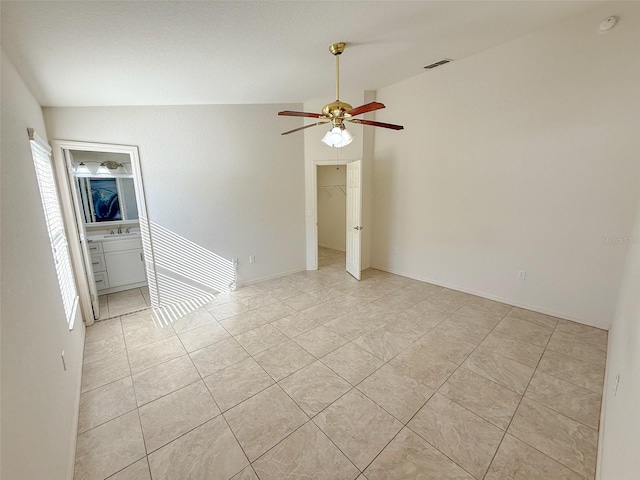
<point>220,355</point>
<point>195,319</point>
<point>136,471</point>
<point>238,382</point>
<point>383,343</point>
<point>565,440</point>
<point>155,353</point>
<point>325,293</point>
<point>103,348</point>
<point>210,451</point>
<point>260,338</point>
<point>501,370</point>
<point>580,342</point>
<point>471,313</point>
<point>462,436</point>
<point>464,329</point>
<point>284,359</point>
<point>533,317</point>
<point>146,334</point>
<point>259,300</point>
<point>302,301</point>
<point>426,367</point>
<point>295,324</point>
<point>333,308</point>
<point>585,375</point>
<point>314,387</point>
<point>163,379</point>
<point>566,398</point>
<point>228,309</point>
<point>306,454</point>
<point>203,336</point>
<point>102,372</point>
<point>352,363</point>
<point>489,306</point>
<point>352,325</point>
<point>522,352</point>
<point>105,403</point>
<point>104,307</point>
<point>358,426</point>
<point>110,447</point>
<point>168,417</point>
<point>320,341</point>
<point>246,474</point>
<point>524,330</point>
<point>398,393</point>
<point>409,457</point>
<point>275,311</point>
<point>263,420</point>
<point>103,329</point>
<point>516,460</point>
<point>242,322</point>
<point>128,301</point>
<point>448,347</point>
<point>483,397</point>
<point>136,320</point>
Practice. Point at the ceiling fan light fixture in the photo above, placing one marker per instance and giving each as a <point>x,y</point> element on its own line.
<point>337,137</point>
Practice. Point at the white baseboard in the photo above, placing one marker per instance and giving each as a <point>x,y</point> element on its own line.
<point>508,301</point>
<point>71,461</point>
<point>271,277</point>
<point>603,408</point>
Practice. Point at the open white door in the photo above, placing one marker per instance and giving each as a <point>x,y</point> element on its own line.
<point>354,218</point>
<point>82,234</point>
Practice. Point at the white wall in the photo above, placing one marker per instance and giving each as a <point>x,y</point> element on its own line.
<point>39,399</point>
<point>522,157</point>
<point>332,207</point>
<point>221,176</point>
<point>621,427</point>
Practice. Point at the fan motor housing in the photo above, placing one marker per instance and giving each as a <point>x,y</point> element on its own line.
<point>336,109</point>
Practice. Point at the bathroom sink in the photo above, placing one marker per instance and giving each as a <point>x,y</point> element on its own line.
<point>115,236</point>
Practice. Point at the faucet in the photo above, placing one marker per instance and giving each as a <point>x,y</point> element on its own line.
<point>127,230</point>
<point>119,229</point>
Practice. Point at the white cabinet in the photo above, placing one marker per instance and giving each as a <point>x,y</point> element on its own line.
<point>117,264</point>
<point>125,267</point>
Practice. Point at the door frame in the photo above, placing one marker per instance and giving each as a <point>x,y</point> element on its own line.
<point>71,219</point>
<point>312,209</point>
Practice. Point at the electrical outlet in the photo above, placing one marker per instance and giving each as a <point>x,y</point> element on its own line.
<point>235,261</point>
<point>522,274</point>
<point>252,259</point>
<point>64,363</point>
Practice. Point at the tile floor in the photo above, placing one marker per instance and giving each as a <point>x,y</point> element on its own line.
<point>122,303</point>
<point>317,376</point>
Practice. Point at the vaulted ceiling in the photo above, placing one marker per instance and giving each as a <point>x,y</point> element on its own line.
<point>229,52</point>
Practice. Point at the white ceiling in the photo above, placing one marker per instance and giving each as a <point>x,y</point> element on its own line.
<point>218,52</point>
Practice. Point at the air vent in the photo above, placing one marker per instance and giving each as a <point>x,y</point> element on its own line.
<point>437,64</point>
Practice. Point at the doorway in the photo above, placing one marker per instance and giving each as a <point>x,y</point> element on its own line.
<point>337,208</point>
<point>106,205</point>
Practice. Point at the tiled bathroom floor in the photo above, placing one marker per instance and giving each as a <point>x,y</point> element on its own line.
<point>317,376</point>
<point>121,303</point>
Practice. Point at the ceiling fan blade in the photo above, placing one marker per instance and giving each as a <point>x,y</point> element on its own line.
<point>302,128</point>
<point>376,124</point>
<point>369,107</point>
<point>288,113</point>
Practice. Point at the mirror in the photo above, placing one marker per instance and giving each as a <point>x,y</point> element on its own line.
<point>104,187</point>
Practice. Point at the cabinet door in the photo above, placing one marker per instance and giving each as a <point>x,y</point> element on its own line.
<point>125,267</point>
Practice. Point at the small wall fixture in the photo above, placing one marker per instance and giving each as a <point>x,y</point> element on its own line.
<point>82,169</point>
<point>337,137</point>
<point>607,24</point>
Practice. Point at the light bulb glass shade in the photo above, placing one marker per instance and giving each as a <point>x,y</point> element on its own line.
<point>121,169</point>
<point>103,169</point>
<point>337,137</point>
<point>81,168</point>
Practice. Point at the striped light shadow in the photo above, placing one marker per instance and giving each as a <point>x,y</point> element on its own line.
<point>182,275</point>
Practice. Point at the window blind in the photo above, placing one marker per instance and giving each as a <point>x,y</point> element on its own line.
<point>41,153</point>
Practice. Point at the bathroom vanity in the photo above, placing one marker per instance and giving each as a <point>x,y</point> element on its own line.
<point>117,261</point>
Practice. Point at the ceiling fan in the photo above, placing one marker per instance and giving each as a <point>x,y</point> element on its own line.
<point>337,113</point>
